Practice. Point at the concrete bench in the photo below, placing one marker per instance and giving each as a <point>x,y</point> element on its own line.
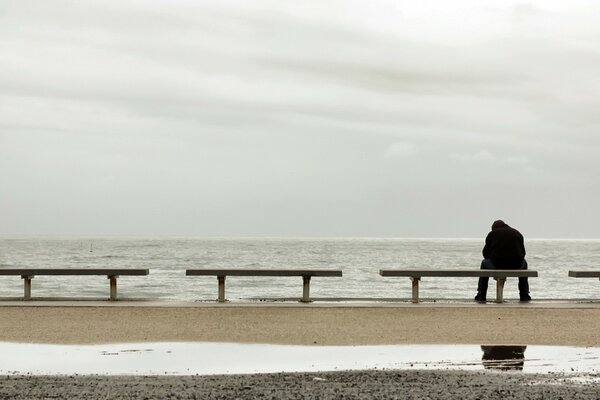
<point>305,274</point>
<point>499,275</point>
<point>27,274</point>
<point>584,274</point>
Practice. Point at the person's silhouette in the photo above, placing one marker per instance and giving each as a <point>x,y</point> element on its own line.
<point>504,249</point>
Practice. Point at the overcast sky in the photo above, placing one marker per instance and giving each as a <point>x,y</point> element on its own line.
<point>308,118</point>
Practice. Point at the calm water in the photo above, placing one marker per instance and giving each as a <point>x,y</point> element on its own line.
<point>360,259</point>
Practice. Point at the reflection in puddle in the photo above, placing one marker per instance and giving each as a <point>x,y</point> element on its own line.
<point>235,358</point>
<point>503,358</point>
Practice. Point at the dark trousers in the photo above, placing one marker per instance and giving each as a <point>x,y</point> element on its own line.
<point>483,281</point>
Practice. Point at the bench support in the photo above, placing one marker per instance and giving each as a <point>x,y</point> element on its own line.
<point>305,289</point>
<point>415,288</point>
<point>113,287</point>
<point>500,289</point>
<point>221,280</point>
<point>27,286</point>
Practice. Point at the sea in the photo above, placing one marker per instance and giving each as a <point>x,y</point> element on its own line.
<point>360,259</point>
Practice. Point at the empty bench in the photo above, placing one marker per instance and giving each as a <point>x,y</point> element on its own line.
<point>499,275</point>
<point>27,274</point>
<point>222,273</point>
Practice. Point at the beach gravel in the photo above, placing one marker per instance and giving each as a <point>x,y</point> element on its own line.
<point>372,384</point>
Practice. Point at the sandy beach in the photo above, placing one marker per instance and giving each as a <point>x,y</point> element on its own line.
<point>103,322</point>
<point>84,323</point>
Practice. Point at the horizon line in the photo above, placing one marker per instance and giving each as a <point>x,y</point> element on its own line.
<point>256,236</point>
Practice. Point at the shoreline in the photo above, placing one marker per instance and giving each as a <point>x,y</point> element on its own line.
<point>77,322</point>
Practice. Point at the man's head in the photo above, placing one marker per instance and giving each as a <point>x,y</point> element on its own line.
<point>498,224</point>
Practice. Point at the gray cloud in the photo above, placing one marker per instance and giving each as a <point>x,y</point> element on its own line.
<point>234,118</point>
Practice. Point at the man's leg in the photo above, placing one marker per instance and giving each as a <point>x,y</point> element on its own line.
<point>524,285</point>
<point>482,286</point>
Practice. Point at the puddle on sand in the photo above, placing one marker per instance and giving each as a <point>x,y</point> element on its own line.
<point>234,358</point>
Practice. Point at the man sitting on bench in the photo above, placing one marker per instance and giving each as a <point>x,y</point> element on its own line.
<point>504,249</point>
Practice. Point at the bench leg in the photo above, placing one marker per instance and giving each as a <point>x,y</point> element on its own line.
<point>500,289</point>
<point>221,280</point>
<point>415,288</point>
<point>113,287</point>
<point>27,287</point>
<point>305,289</point>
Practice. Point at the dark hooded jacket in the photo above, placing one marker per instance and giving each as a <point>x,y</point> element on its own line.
<point>505,247</point>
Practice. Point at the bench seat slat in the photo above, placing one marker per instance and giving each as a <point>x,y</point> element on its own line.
<point>510,273</point>
<point>261,272</point>
<point>584,274</point>
<point>73,271</point>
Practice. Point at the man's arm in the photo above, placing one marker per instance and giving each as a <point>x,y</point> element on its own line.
<point>486,248</point>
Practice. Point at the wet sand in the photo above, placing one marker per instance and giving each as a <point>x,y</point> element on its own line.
<point>329,385</point>
<point>303,325</point>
